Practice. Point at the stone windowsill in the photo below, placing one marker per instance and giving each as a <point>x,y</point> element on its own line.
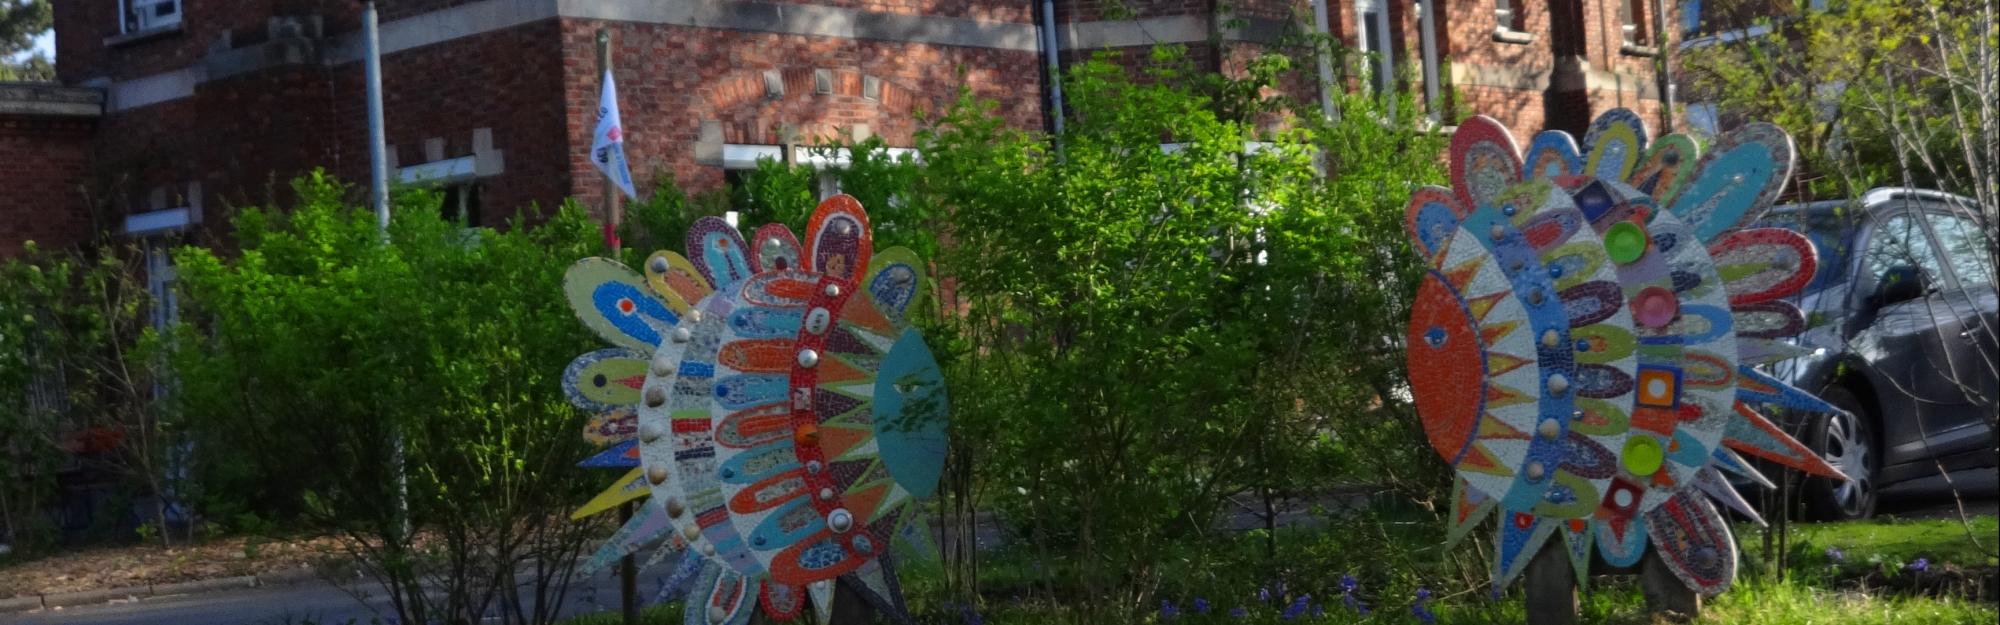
<point>149,34</point>
<point>1509,35</point>
<point>1632,49</point>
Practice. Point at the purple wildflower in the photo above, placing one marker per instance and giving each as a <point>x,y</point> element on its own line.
<point>1921,565</point>
<point>1264,595</point>
<point>1347,587</point>
<point>1167,611</point>
<point>1239,612</point>
<point>1836,555</point>
<point>971,616</point>
<point>1200,605</point>
<point>1297,608</point>
<point>1421,610</point>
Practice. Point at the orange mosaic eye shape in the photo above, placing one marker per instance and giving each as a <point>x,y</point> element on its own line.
<point>1446,368</point>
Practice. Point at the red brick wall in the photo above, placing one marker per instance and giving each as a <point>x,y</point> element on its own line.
<point>510,81</point>
<point>1468,40</point>
<point>83,25</point>
<point>242,138</point>
<point>43,164</point>
<point>246,136</point>
<point>672,78</point>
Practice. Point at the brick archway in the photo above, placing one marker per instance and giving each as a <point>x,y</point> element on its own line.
<point>743,103</point>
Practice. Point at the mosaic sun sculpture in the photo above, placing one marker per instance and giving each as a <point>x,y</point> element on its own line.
<point>1582,348</point>
<point>775,410</point>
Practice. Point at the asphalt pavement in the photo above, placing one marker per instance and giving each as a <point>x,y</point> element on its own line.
<point>321,603</point>
<point>316,601</point>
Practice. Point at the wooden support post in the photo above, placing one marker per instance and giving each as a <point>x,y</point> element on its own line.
<point>848,607</point>
<point>1550,587</point>
<point>1667,596</point>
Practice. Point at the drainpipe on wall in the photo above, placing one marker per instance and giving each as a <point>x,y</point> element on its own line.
<point>1326,86</point>
<point>1662,65</point>
<point>1432,103</point>
<point>1054,66</point>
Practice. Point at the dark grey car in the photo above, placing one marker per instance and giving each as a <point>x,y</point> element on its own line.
<point>1903,336</point>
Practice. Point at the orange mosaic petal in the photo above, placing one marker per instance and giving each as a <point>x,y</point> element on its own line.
<point>758,355</point>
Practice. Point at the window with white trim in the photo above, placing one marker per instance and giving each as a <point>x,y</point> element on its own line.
<point>1373,33</point>
<point>1510,16</point>
<point>144,15</point>
<point>160,277</point>
<point>1632,23</point>
<point>460,204</point>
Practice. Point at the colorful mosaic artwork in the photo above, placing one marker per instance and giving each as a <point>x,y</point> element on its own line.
<point>1582,348</point>
<point>772,406</point>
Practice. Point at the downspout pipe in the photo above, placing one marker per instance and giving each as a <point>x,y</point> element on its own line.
<point>1433,105</point>
<point>1326,86</point>
<point>1663,64</point>
<point>1054,57</point>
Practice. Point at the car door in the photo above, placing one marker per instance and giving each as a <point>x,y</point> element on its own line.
<point>1900,339</point>
<point>1971,345</point>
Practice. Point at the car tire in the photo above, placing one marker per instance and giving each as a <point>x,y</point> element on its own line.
<point>1847,441</point>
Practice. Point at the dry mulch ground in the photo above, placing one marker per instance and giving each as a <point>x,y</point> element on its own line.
<point>137,565</point>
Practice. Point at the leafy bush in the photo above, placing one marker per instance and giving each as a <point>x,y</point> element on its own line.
<point>80,360</point>
<point>1142,331</point>
<point>323,347</point>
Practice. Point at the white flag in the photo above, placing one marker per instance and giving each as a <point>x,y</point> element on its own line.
<point>607,148</point>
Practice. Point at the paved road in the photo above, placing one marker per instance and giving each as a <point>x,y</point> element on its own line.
<point>316,602</point>
<point>323,603</point>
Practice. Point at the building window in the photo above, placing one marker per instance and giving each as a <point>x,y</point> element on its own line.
<point>1510,16</point>
<point>160,276</point>
<point>144,15</point>
<point>460,204</point>
<point>1379,67</point>
<point>1632,21</point>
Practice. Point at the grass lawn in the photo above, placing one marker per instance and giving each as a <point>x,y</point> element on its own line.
<point>1870,580</point>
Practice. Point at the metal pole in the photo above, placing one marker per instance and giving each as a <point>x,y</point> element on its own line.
<point>1055,65</point>
<point>613,202</point>
<point>378,162</point>
<point>378,183</point>
<point>628,568</point>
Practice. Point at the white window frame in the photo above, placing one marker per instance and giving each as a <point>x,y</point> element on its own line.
<point>1508,13</point>
<point>138,16</point>
<point>1380,78</point>
<point>1632,26</point>
<point>741,156</point>
<point>160,278</point>
<point>461,172</point>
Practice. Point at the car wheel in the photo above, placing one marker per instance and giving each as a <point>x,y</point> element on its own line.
<point>1847,441</point>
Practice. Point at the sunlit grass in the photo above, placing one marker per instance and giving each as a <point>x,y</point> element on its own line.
<point>1816,591</point>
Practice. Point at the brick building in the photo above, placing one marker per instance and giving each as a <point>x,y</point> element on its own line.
<point>45,135</point>
<point>177,105</point>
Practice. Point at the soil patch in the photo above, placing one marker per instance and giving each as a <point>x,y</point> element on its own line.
<point>139,565</point>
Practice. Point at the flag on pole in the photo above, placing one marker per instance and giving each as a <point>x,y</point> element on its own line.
<point>607,148</point>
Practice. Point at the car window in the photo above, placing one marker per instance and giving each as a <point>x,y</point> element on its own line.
<point>1965,248</point>
<point>1831,233</point>
<point>1899,241</point>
